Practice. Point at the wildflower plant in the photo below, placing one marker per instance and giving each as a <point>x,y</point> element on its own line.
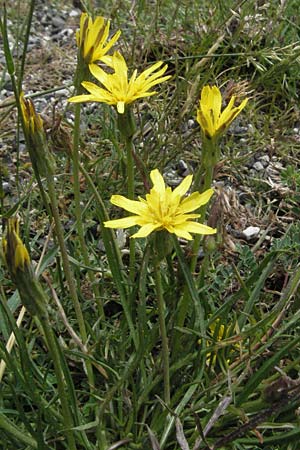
<point>158,338</point>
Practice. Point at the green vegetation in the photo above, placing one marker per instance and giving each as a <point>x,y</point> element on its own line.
<point>159,343</point>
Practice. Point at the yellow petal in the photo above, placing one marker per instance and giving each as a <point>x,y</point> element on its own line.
<point>195,200</point>
<point>145,230</point>
<point>126,222</point>
<point>158,181</point>
<point>132,206</point>
<point>183,186</point>
<point>199,228</point>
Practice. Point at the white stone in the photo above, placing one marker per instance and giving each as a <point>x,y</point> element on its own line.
<point>74,13</point>
<point>251,232</point>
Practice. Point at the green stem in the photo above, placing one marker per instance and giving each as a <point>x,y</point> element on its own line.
<point>210,158</point>
<point>66,265</point>
<point>52,346</point>
<point>34,300</point>
<point>130,192</point>
<point>162,326</point>
<point>10,428</point>
<point>113,256</point>
<point>208,176</point>
<point>80,231</point>
<point>77,209</point>
<point>25,44</point>
<point>127,127</point>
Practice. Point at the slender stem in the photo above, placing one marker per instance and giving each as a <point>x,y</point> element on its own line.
<point>25,44</point>
<point>66,265</point>
<point>77,208</point>
<point>113,256</point>
<point>11,428</point>
<point>208,176</point>
<point>162,326</point>
<point>210,158</point>
<point>130,192</point>
<point>52,346</point>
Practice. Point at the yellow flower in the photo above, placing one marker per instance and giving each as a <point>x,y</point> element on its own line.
<point>15,252</point>
<point>212,121</point>
<point>92,36</point>
<point>117,89</point>
<point>163,209</point>
<point>33,121</point>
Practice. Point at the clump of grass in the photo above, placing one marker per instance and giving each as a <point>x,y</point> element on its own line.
<point>155,343</point>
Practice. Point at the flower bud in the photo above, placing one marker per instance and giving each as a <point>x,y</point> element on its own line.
<point>19,266</point>
<point>35,137</point>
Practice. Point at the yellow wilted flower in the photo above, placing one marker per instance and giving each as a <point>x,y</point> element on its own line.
<point>92,37</point>
<point>15,252</point>
<point>117,89</point>
<point>163,209</point>
<point>212,121</point>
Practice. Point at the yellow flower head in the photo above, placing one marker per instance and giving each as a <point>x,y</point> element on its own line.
<point>33,121</point>
<point>163,209</point>
<point>15,252</point>
<point>92,36</point>
<point>212,121</point>
<point>117,89</point>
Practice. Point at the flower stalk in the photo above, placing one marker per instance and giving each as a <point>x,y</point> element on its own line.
<point>213,123</point>
<point>44,163</point>
<point>127,127</point>
<point>161,316</point>
<point>34,300</point>
<point>80,74</point>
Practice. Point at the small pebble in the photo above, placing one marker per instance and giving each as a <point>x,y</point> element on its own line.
<point>74,13</point>
<point>182,167</point>
<point>6,187</point>
<point>192,124</point>
<point>258,166</point>
<point>265,160</point>
<point>251,232</point>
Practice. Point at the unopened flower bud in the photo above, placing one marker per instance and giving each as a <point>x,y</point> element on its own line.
<point>36,138</point>
<point>19,266</point>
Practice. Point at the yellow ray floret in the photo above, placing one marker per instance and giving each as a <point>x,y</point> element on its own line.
<point>117,89</point>
<point>163,209</point>
<point>92,38</point>
<point>209,116</point>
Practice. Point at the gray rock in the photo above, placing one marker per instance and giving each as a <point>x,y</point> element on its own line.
<point>58,22</point>
<point>258,166</point>
<point>265,160</point>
